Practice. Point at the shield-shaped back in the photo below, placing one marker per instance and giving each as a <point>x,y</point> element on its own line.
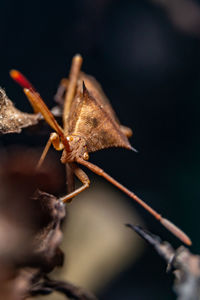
<point>92,117</point>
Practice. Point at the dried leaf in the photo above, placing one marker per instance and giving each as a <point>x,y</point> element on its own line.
<point>13,120</point>
<point>47,286</point>
<point>184,264</point>
<point>31,249</point>
<point>46,254</point>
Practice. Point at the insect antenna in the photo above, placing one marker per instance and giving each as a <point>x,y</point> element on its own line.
<point>21,80</point>
<point>38,104</point>
<point>166,223</point>
<point>24,83</point>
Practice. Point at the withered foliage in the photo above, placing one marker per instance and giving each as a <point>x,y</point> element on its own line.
<point>13,120</point>
<point>33,220</point>
<point>184,264</point>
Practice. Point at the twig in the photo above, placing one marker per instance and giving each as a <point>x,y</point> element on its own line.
<point>184,264</point>
<point>47,286</point>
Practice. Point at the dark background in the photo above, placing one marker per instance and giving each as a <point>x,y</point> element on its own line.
<point>147,58</point>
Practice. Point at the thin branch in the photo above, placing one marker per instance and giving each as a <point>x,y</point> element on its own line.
<point>47,286</point>
<point>184,265</point>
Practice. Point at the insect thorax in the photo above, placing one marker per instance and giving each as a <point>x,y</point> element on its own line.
<point>78,149</point>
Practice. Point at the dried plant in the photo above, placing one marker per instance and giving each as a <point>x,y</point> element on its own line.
<point>12,120</point>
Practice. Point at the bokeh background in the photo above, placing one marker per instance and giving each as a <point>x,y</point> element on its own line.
<point>146,55</point>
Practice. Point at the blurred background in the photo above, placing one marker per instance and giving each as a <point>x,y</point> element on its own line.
<point>146,55</point>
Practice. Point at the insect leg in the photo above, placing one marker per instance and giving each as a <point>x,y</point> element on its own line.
<point>59,96</point>
<point>166,223</point>
<point>54,139</point>
<point>70,178</point>
<point>82,176</point>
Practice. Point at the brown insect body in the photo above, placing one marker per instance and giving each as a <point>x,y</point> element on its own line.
<point>78,149</point>
<point>90,124</point>
<point>92,117</point>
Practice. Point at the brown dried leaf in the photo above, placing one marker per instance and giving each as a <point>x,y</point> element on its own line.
<point>22,206</point>
<point>13,120</point>
<point>46,253</point>
<point>184,264</point>
<point>35,221</point>
<point>31,249</point>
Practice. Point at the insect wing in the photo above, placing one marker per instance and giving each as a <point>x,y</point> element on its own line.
<point>88,119</point>
<point>96,91</point>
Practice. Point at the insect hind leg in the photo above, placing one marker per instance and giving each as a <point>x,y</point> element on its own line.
<point>82,176</point>
<point>54,139</point>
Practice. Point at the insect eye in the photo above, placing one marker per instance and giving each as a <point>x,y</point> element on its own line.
<point>70,138</point>
<point>85,156</point>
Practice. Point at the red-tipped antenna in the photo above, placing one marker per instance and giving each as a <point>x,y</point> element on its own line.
<point>38,104</point>
<point>21,80</point>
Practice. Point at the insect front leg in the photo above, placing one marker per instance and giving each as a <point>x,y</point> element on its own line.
<point>54,139</point>
<point>82,176</point>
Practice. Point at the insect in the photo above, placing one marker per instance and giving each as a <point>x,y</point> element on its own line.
<point>90,124</point>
